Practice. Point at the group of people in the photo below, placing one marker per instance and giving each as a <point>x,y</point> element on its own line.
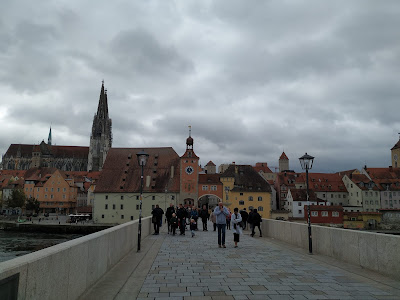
<point>221,218</point>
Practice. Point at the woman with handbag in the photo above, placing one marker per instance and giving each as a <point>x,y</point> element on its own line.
<point>236,220</point>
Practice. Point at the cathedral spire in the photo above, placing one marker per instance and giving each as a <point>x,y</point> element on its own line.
<point>102,109</point>
<point>49,138</point>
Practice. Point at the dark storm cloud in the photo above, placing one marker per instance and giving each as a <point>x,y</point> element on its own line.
<point>252,80</point>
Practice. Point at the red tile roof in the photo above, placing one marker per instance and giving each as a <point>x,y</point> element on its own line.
<point>283,156</point>
<point>320,182</point>
<point>262,167</point>
<point>57,151</point>
<point>210,178</point>
<point>121,171</point>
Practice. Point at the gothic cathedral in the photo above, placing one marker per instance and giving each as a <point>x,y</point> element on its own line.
<point>101,137</point>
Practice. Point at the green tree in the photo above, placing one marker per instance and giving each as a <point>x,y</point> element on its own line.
<point>32,204</point>
<point>17,199</point>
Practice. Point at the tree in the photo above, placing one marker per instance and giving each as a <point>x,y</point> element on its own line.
<point>17,199</point>
<point>32,204</point>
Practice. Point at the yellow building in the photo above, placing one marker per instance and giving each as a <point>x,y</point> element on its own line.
<point>243,188</point>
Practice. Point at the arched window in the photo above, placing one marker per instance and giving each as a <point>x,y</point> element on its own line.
<point>241,202</point>
<point>250,198</point>
<point>259,198</point>
<point>260,208</point>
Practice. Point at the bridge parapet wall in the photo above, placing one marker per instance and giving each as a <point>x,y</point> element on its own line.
<point>67,270</point>
<point>374,251</point>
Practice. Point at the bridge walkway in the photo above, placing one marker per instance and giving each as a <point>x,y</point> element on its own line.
<point>182,267</point>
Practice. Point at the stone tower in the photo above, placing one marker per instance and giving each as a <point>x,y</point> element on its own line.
<point>283,162</point>
<point>189,170</point>
<point>395,151</point>
<point>101,136</point>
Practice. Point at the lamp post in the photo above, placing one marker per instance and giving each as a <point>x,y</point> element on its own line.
<point>142,157</point>
<point>306,162</point>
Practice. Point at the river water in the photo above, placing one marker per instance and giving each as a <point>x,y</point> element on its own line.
<point>14,244</point>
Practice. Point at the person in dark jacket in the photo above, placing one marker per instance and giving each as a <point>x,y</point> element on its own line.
<point>256,222</point>
<point>204,215</point>
<point>182,215</point>
<point>245,216</point>
<point>250,219</point>
<point>157,218</point>
<point>174,223</point>
<point>168,216</point>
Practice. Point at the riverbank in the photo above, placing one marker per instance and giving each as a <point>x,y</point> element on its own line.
<point>81,229</point>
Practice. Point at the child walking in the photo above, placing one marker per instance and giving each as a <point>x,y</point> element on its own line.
<point>193,226</point>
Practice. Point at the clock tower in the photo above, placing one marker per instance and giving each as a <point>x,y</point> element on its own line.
<point>189,170</point>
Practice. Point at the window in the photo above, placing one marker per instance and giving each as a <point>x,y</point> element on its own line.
<point>106,197</point>
<point>205,188</point>
<point>300,211</point>
<point>106,207</point>
<point>52,189</point>
<point>213,187</point>
<point>259,198</point>
<point>122,197</point>
<point>122,216</point>
<point>58,189</point>
<point>64,189</point>
<point>113,206</point>
<point>250,198</point>
<point>137,206</point>
<point>51,196</point>
<point>324,214</point>
<point>331,195</point>
<point>344,196</point>
<point>46,196</point>
<point>122,206</point>
<point>323,195</point>
<point>241,202</point>
<point>260,208</point>
<point>102,216</point>
<point>131,218</point>
<point>137,197</point>
<point>153,197</point>
<point>298,203</point>
<point>314,213</point>
<point>241,194</point>
<point>153,206</point>
<point>64,197</point>
<point>335,214</point>
<point>172,197</point>
<point>38,189</point>
<point>46,189</point>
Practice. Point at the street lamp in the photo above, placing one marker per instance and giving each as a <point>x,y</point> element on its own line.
<point>306,162</point>
<point>142,157</point>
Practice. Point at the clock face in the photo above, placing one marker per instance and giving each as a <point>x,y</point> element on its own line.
<point>189,170</point>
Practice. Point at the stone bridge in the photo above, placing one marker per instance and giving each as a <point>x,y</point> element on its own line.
<point>105,265</point>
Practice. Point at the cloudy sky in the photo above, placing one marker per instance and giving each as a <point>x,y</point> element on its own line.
<point>252,78</point>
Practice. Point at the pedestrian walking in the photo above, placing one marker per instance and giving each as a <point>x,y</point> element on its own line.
<point>157,217</point>
<point>204,215</point>
<point>220,213</point>
<point>193,226</point>
<point>181,214</point>
<point>256,222</point>
<point>250,219</point>
<point>194,215</point>
<point>174,223</point>
<point>236,221</point>
<point>168,216</point>
<point>213,219</point>
<point>245,216</point>
<point>228,220</point>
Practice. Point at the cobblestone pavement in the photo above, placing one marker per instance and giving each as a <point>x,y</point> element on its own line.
<point>260,268</point>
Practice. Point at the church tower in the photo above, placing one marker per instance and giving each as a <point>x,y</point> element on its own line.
<point>395,151</point>
<point>283,162</point>
<point>101,136</point>
<point>189,170</point>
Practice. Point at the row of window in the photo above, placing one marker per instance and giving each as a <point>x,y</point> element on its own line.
<point>138,197</point>
<point>323,213</point>
<point>122,217</point>
<point>212,188</point>
<point>46,189</point>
